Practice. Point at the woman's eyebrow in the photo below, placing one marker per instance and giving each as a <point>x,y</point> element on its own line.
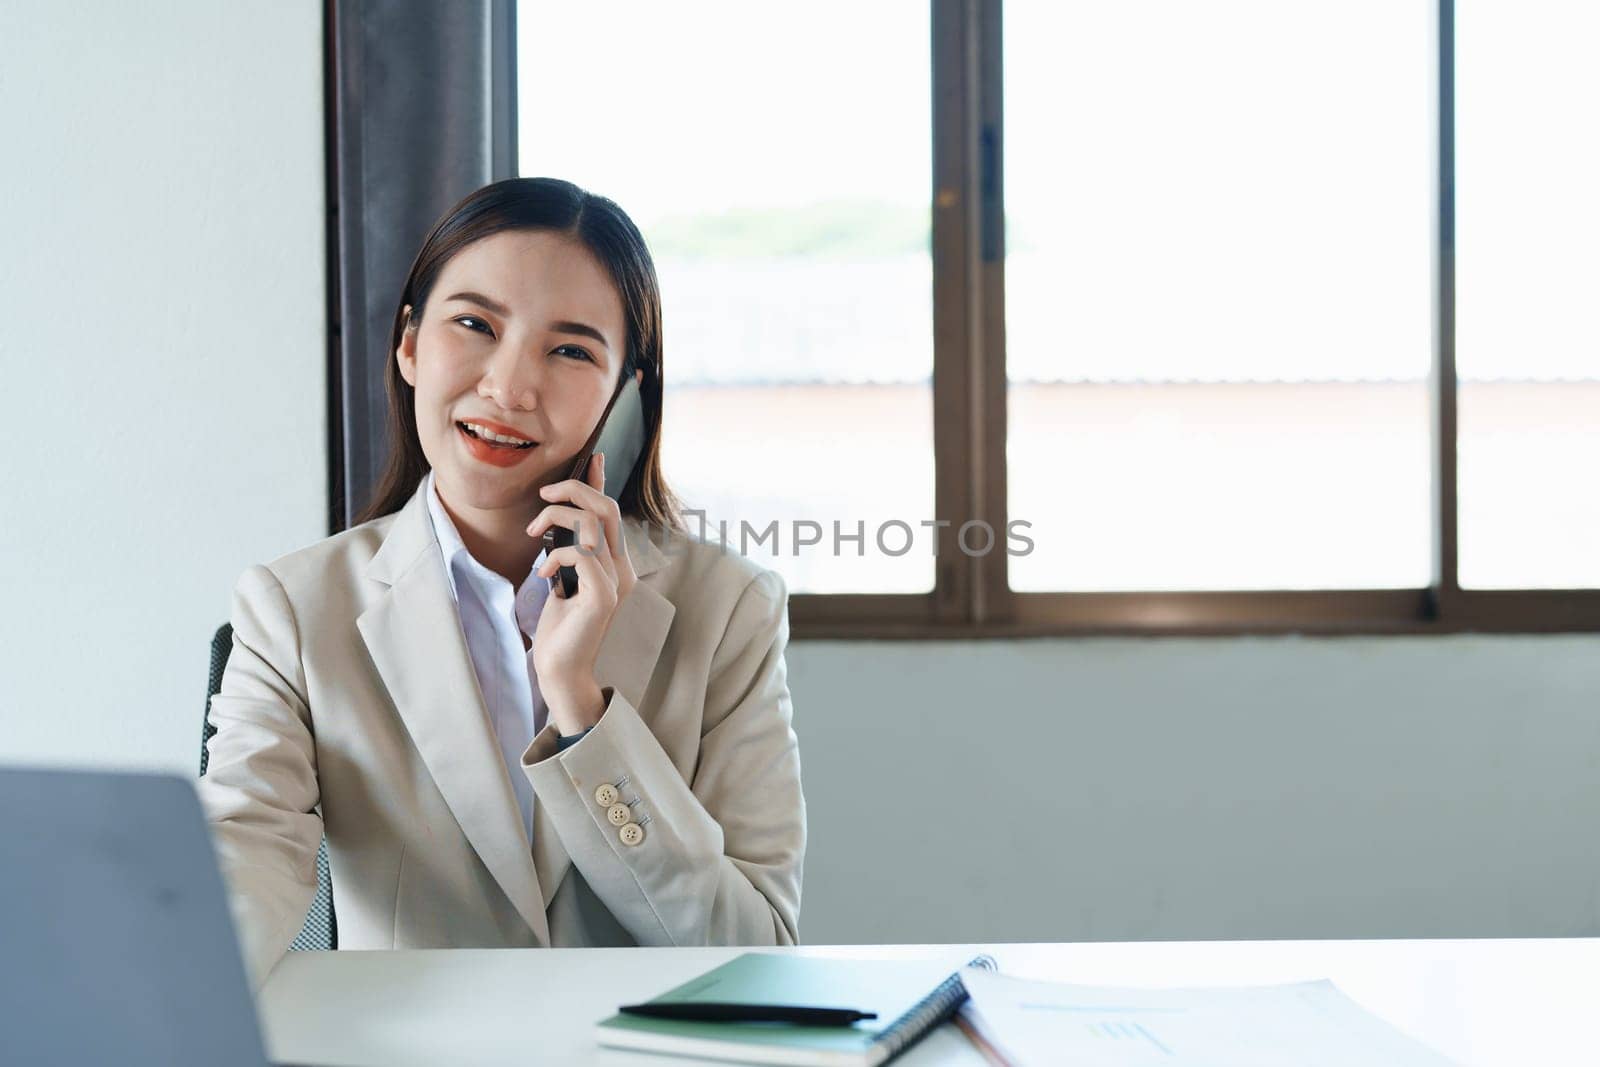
<point>580,329</point>
<point>482,301</point>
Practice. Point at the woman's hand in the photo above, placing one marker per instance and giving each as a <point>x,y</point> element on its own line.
<point>571,629</point>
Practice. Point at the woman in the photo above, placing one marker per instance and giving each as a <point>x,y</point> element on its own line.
<point>493,764</point>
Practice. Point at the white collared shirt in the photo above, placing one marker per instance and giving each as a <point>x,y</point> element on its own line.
<point>493,618</point>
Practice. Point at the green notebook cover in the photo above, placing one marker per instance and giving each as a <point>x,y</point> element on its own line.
<point>909,997</point>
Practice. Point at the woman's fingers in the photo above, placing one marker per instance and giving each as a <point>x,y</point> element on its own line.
<point>590,497</point>
<point>592,567</point>
<point>589,530</point>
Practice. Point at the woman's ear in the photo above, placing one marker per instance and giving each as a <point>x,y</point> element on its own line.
<point>638,376</point>
<point>406,353</point>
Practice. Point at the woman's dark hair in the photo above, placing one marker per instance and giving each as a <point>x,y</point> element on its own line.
<point>611,237</point>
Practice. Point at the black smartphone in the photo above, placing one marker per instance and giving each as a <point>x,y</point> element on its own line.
<point>620,436</point>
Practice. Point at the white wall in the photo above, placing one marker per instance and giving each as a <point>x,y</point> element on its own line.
<point>1200,788</point>
<point>162,339</point>
<point>161,285</point>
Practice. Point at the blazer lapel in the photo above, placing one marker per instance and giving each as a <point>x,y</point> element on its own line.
<point>414,636</point>
<point>625,662</point>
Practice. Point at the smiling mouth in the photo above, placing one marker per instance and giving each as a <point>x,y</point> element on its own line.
<point>470,432</point>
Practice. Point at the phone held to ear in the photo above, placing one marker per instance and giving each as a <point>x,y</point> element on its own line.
<point>620,436</point>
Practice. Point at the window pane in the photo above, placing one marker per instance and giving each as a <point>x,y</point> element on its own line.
<point>1527,224</point>
<point>1218,293</point>
<point>777,160</point>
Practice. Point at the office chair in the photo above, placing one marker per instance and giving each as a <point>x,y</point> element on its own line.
<point>320,930</point>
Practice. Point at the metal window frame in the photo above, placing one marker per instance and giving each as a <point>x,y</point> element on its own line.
<point>972,597</point>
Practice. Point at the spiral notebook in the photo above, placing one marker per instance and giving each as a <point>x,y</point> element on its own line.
<point>909,997</point>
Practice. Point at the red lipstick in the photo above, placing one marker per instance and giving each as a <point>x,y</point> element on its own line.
<point>495,455</point>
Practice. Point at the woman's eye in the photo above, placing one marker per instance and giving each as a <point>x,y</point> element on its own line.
<point>472,322</point>
<point>575,352</point>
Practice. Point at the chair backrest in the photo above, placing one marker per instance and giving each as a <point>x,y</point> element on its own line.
<point>320,931</point>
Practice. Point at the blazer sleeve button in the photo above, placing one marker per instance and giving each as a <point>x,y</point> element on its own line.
<point>618,814</point>
<point>631,834</point>
<point>606,795</point>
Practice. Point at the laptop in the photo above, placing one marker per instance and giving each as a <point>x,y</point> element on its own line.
<point>119,946</point>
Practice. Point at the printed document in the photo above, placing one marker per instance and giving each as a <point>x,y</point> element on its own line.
<point>1306,1024</point>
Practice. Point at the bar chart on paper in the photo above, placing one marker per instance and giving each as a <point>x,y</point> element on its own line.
<point>1122,1031</point>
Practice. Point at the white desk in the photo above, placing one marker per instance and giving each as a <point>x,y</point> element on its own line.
<point>1485,1003</point>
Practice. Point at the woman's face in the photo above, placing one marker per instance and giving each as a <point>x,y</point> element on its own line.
<point>522,335</point>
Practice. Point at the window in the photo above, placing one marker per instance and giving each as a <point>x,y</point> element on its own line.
<point>1217,333</point>
<point>1161,296</point>
<point>1528,160</point>
<point>779,171</point>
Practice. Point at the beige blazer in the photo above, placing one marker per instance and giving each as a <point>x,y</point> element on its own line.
<point>350,707</point>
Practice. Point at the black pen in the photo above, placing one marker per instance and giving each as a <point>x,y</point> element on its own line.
<point>719,1012</point>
